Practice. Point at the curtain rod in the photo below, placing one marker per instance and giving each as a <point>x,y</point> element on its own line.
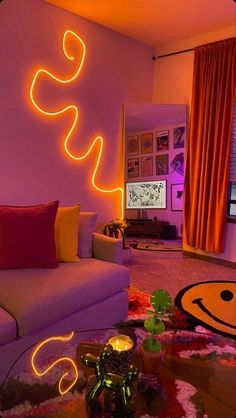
<point>155,57</point>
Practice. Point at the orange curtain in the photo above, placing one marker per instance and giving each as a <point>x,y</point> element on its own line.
<point>209,145</point>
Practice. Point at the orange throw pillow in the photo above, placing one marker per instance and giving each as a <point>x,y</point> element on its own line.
<point>66,233</point>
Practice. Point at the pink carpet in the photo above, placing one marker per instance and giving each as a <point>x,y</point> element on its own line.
<point>172,271</point>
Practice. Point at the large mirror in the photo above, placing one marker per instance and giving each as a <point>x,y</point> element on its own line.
<point>155,140</point>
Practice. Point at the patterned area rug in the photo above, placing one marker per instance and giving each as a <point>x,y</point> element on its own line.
<point>27,396</point>
<point>154,245</point>
<point>139,303</point>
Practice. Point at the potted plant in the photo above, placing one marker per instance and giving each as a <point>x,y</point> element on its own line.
<point>152,351</point>
<point>116,229</point>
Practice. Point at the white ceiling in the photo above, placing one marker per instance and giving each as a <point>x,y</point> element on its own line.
<point>156,22</point>
<point>148,116</point>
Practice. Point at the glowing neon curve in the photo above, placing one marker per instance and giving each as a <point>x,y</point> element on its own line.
<point>75,110</point>
<point>60,360</point>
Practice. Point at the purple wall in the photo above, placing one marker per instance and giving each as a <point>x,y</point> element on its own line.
<point>33,166</point>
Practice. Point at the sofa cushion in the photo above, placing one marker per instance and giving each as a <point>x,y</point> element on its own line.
<point>27,236</point>
<point>86,227</point>
<point>7,327</point>
<point>42,297</point>
<point>66,233</point>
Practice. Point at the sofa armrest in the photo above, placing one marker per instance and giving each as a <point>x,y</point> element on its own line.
<point>107,248</point>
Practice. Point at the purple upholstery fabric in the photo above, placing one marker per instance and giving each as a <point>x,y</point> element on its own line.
<point>7,327</point>
<point>53,294</point>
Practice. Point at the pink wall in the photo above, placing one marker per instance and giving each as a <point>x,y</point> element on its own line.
<point>33,166</point>
<point>173,84</point>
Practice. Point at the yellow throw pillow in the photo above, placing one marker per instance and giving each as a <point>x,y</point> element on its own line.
<point>66,233</point>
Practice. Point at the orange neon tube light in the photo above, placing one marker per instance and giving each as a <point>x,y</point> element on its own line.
<point>74,109</point>
<point>62,388</point>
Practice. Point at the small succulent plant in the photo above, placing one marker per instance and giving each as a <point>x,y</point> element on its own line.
<point>161,303</point>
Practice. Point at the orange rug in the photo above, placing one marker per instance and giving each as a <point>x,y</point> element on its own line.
<point>139,303</point>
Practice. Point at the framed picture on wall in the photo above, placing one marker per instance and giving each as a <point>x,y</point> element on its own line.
<point>146,194</point>
<point>132,145</point>
<point>146,166</point>
<point>133,167</point>
<point>179,137</point>
<point>147,143</point>
<point>162,140</point>
<point>178,163</point>
<point>162,164</point>
<point>177,197</point>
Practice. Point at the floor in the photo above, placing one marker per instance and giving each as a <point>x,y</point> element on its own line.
<point>172,270</point>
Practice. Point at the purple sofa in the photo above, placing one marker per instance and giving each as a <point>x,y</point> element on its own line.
<point>37,303</point>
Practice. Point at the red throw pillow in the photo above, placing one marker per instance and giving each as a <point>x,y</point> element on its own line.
<point>27,236</point>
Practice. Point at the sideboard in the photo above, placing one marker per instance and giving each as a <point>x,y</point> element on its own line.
<point>145,227</point>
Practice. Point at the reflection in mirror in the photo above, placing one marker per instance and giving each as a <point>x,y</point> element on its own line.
<point>155,139</point>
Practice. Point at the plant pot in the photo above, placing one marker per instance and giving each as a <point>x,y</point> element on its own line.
<point>151,361</point>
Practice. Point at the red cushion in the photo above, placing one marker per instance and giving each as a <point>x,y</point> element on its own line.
<point>27,236</point>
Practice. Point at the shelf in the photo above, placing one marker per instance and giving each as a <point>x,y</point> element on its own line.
<point>144,227</point>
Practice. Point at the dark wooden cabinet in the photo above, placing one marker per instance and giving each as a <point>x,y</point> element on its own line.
<point>145,227</point>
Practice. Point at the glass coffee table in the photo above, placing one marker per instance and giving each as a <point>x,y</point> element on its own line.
<point>196,378</point>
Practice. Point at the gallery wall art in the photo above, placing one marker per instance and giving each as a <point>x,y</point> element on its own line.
<point>162,138</point>
<point>132,145</point>
<point>146,195</point>
<point>159,156</point>
<point>179,137</point>
<point>147,143</point>
<point>146,166</point>
<point>177,197</point>
<point>133,167</point>
<point>162,164</point>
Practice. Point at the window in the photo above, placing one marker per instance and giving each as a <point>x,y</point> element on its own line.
<point>232,199</point>
<point>232,184</point>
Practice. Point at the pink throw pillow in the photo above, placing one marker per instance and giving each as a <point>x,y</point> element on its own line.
<point>87,223</point>
<point>27,236</point>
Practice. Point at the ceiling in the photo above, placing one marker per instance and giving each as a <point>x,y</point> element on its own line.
<point>156,22</point>
<point>147,116</point>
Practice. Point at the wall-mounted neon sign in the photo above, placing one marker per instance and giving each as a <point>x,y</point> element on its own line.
<point>74,110</point>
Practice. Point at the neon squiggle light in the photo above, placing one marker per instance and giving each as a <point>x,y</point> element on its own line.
<point>60,360</point>
<point>98,140</point>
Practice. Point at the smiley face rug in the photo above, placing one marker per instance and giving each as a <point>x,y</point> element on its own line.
<point>212,303</point>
